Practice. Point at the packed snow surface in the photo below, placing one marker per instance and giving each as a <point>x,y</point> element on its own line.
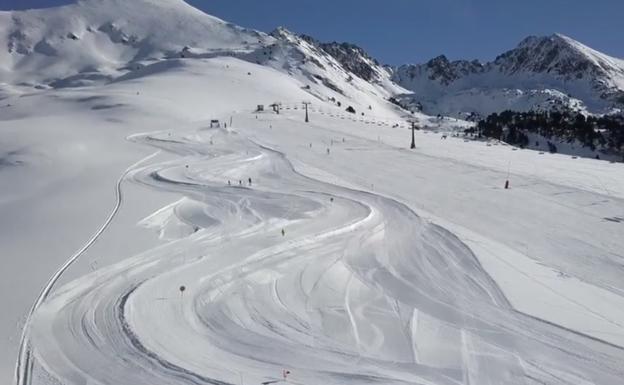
<point>161,250</point>
<point>395,266</point>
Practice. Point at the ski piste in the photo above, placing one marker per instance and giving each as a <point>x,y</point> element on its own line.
<point>253,239</point>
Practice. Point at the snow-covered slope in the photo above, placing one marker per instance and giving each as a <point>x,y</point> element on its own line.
<point>353,58</point>
<point>395,266</point>
<point>99,41</point>
<point>348,259</point>
<point>325,76</point>
<point>541,73</point>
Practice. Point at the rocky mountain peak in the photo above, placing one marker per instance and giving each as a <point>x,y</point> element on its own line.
<point>351,57</point>
<point>354,59</point>
<point>283,33</point>
<point>555,54</point>
<point>541,72</point>
<point>440,70</point>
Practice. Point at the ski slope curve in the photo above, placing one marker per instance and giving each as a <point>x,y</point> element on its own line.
<point>282,271</point>
<point>24,365</point>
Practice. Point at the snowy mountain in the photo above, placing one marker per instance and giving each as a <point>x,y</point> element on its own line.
<point>97,42</point>
<point>94,42</point>
<point>541,73</point>
<point>326,74</point>
<point>353,58</point>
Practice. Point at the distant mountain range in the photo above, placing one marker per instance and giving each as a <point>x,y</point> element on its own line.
<point>98,41</point>
<point>540,73</point>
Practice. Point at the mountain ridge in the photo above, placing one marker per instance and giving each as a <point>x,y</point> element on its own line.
<point>100,42</point>
<point>95,41</point>
<point>541,66</point>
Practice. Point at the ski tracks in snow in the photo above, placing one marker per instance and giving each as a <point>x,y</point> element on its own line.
<point>358,288</point>
<point>23,367</point>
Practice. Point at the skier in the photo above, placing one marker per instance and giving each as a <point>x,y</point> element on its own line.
<point>283,232</point>
<point>250,181</point>
<point>229,183</point>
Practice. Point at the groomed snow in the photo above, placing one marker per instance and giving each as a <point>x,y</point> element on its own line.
<point>396,265</point>
<point>326,248</point>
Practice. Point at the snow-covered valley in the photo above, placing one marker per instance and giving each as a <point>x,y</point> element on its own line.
<point>327,248</point>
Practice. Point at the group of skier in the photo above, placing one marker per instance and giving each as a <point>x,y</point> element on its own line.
<point>240,182</point>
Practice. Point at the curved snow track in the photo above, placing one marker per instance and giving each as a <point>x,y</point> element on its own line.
<point>24,365</point>
<point>359,289</point>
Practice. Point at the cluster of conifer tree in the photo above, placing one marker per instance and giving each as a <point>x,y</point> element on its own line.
<point>603,132</point>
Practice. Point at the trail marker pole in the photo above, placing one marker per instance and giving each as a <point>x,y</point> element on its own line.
<point>413,145</point>
<point>182,289</point>
<point>306,104</point>
<point>508,173</point>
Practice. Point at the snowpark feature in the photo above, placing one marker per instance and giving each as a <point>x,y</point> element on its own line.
<point>367,263</point>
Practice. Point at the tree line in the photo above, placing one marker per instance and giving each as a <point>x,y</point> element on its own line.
<point>603,132</point>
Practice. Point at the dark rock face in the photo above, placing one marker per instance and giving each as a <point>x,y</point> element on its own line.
<point>446,72</point>
<point>351,57</point>
<point>354,59</point>
<point>553,54</point>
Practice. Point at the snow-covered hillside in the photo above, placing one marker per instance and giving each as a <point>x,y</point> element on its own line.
<point>94,42</point>
<point>541,73</point>
<point>326,77</point>
<point>160,249</point>
<point>97,42</point>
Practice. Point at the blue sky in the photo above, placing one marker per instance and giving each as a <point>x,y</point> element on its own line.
<point>399,31</point>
